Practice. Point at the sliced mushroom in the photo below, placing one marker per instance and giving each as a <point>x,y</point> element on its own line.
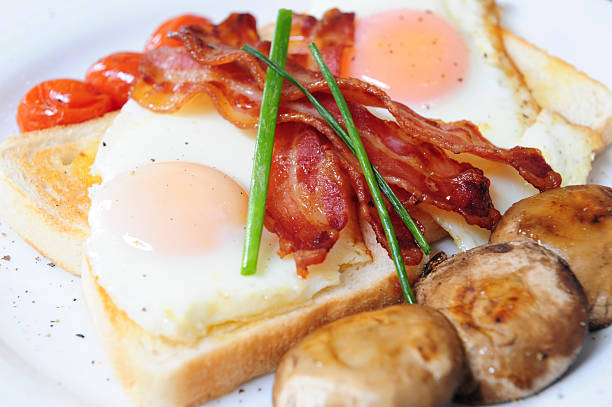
<point>576,222</point>
<point>404,355</point>
<point>519,311</point>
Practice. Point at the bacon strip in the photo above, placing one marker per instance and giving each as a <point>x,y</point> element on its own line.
<point>411,154</point>
<point>421,169</point>
<point>332,34</point>
<point>420,172</point>
<point>309,198</point>
<point>456,137</point>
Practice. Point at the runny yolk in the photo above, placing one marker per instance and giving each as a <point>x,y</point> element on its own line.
<point>174,208</point>
<point>415,56</point>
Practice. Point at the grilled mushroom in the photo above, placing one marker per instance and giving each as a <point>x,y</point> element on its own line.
<point>405,355</point>
<point>519,311</point>
<point>576,222</point>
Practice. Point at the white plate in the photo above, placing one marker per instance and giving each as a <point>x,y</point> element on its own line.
<point>42,360</point>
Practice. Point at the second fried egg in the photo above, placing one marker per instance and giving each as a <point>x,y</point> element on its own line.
<point>442,58</point>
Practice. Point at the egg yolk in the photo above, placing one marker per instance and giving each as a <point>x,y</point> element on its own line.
<point>415,56</point>
<point>173,207</point>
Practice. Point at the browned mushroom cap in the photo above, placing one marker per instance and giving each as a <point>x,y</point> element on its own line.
<point>576,222</point>
<point>519,311</point>
<point>405,355</point>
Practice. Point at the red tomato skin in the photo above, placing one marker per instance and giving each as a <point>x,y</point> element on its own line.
<point>114,75</point>
<point>158,38</point>
<point>60,102</point>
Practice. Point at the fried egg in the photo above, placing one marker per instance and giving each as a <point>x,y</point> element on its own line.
<point>445,60</point>
<point>441,58</point>
<point>167,226</point>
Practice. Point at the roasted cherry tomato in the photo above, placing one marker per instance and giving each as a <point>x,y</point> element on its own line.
<point>60,101</point>
<point>114,75</point>
<point>159,39</point>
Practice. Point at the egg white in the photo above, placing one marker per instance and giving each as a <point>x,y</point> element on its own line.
<point>491,94</point>
<point>181,297</point>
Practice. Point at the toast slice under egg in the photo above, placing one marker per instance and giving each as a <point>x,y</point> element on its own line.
<point>155,371</point>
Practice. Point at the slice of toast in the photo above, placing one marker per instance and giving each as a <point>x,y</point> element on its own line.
<point>157,372</point>
<point>561,88</point>
<point>44,181</point>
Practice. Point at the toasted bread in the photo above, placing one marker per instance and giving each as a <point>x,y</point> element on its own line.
<point>44,181</point>
<point>561,88</point>
<point>156,372</point>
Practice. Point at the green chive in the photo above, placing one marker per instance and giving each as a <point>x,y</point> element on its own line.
<point>370,178</point>
<point>264,145</point>
<point>335,125</point>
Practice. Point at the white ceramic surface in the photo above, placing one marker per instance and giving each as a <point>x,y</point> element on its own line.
<point>43,358</point>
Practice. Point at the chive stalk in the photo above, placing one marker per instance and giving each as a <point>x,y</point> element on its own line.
<point>337,127</point>
<point>368,173</point>
<point>264,145</point>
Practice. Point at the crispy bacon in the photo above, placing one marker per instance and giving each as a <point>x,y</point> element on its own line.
<point>410,152</point>
<point>421,169</point>
<point>310,199</point>
<point>420,172</point>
